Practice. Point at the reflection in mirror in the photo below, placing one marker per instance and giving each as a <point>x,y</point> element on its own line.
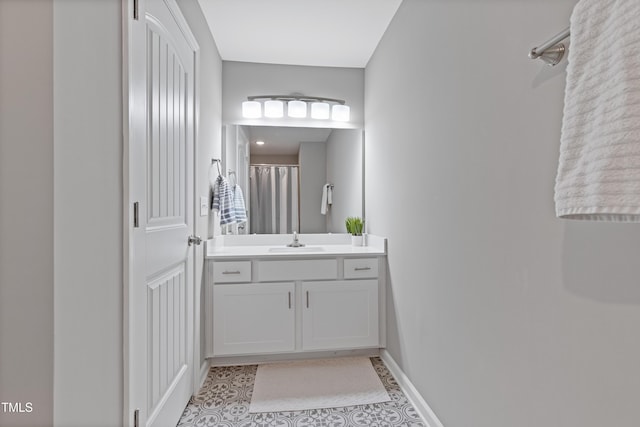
<point>295,179</point>
<point>274,190</point>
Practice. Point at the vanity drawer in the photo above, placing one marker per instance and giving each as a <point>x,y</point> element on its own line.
<point>316,269</point>
<point>232,271</point>
<point>360,268</point>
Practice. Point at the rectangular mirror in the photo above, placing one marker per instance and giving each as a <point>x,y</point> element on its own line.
<point>300,179</point>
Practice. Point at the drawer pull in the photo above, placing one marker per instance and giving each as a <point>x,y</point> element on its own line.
<point>307,299</point>
<point>231,272</point>
<point>362,268</point>
<point>289,300</point>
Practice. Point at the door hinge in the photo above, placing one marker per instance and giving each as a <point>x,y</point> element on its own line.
<point>136,418</point>
<point>136,213</point>
<point>135,9</point>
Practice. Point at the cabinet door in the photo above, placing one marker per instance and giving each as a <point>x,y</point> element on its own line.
<point>340,315</point>
<point>253,318</point>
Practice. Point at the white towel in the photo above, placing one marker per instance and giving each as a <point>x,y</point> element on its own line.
<point>238,204</point>
<point>327,199</point>
<point>599,169</point>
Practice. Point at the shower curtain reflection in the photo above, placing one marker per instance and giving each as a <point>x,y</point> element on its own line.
<point>274,199</point>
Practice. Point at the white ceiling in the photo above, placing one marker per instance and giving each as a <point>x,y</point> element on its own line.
<point>283,140</point>
<point>335,33</point>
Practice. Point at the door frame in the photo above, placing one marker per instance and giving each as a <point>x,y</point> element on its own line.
<point>134,129</point>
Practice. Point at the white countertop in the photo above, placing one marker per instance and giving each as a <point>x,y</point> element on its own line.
<point>275,246</point>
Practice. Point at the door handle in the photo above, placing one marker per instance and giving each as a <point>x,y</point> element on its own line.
<point>194,240</point>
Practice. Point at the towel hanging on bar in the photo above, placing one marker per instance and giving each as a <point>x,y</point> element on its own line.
<point>327,198</point>
<point>599,169</point>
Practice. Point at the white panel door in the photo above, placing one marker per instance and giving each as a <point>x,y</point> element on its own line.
<point>253,318</point>
<point>340,315</point>
<point>161,298</point>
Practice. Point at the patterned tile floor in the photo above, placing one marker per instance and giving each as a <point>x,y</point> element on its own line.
<point>224,401</point>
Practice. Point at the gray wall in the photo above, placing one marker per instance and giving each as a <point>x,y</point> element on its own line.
<point>312,158</point>
<point>26,210</point>
<point>500,314</point>
<point>230,149</point>
<point>344,171</point>
<point>242,79</point>
<point>88,109</point>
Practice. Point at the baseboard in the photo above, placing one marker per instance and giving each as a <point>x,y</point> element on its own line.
<point>421,406</point>
<point>284,357</point>
<point>204,369</point>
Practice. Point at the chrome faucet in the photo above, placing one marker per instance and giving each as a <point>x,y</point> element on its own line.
<point>295,243</point>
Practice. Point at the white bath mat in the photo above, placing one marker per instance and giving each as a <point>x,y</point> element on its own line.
<point>316,384</point>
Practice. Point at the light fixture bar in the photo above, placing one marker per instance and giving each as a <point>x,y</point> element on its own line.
<point>296,98</point>
<point>272,106</point>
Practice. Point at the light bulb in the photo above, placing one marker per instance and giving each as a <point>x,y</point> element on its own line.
<point>251,110</point>
<point>319,110</point>
<point>340,113</point>
<point>297,109</point>
<point>273,109</point>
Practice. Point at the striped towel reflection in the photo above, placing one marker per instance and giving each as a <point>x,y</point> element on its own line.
<point>223,201</point>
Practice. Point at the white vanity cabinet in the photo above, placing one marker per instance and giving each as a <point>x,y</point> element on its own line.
<point>340,314</point>
<point>253,318</point>
<point>286,305</point>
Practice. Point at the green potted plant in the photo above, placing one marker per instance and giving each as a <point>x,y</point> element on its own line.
<point>354,226</point>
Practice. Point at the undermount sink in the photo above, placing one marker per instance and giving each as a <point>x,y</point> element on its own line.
<point>289,249</point>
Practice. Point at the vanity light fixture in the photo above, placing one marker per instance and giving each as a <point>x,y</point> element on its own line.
<point>297,107</point>
<point>259,142</point>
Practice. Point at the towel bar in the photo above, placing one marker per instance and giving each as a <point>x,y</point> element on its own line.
<point>552,51</point>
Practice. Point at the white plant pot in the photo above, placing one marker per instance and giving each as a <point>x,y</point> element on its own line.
<point>356,240</point>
